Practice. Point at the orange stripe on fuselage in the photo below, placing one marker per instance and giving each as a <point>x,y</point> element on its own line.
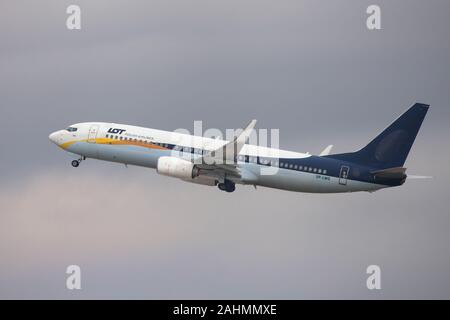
<point>116,142</point>
<point>129,143</point>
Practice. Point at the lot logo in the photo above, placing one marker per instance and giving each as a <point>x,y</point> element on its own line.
<point>116,131</point>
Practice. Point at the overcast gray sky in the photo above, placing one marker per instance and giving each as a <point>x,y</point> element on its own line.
<point>310,68</point>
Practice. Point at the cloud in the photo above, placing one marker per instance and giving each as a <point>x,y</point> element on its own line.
<point>137,234</point>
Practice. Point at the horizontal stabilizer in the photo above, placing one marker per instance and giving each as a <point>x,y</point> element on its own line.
<point>390,173</point>
<point>326,151</point>
<point>419,177</point>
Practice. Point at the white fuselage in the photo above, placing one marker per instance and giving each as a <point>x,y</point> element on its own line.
<point>257,165</point>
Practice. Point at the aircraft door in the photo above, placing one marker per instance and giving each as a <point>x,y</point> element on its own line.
<point>93,130</point>
<point>343,175</point>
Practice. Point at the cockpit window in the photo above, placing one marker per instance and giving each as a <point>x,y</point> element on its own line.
<point>72,129</point>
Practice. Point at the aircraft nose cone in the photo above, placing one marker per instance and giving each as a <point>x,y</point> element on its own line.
<point>54,137</point>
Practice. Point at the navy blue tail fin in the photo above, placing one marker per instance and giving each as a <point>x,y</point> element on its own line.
<point>391,147</point>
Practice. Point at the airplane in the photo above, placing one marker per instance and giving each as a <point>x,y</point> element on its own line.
<point>221,163</point>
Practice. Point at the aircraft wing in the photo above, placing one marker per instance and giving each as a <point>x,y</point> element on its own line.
<point>223,161</point>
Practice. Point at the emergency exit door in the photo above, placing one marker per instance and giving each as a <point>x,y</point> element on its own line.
<point>343,175</point>
<point>93,130</point>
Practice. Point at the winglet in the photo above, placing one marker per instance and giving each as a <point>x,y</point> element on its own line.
<point>243,137</point>
<point>228,152</point>
<point>326,151</point>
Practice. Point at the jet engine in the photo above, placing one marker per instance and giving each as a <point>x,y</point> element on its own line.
<point>182,169</point>
<point>176,167</point>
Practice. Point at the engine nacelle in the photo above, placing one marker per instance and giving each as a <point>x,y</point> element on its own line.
<point>184,170</point>
<point>176,167</point>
